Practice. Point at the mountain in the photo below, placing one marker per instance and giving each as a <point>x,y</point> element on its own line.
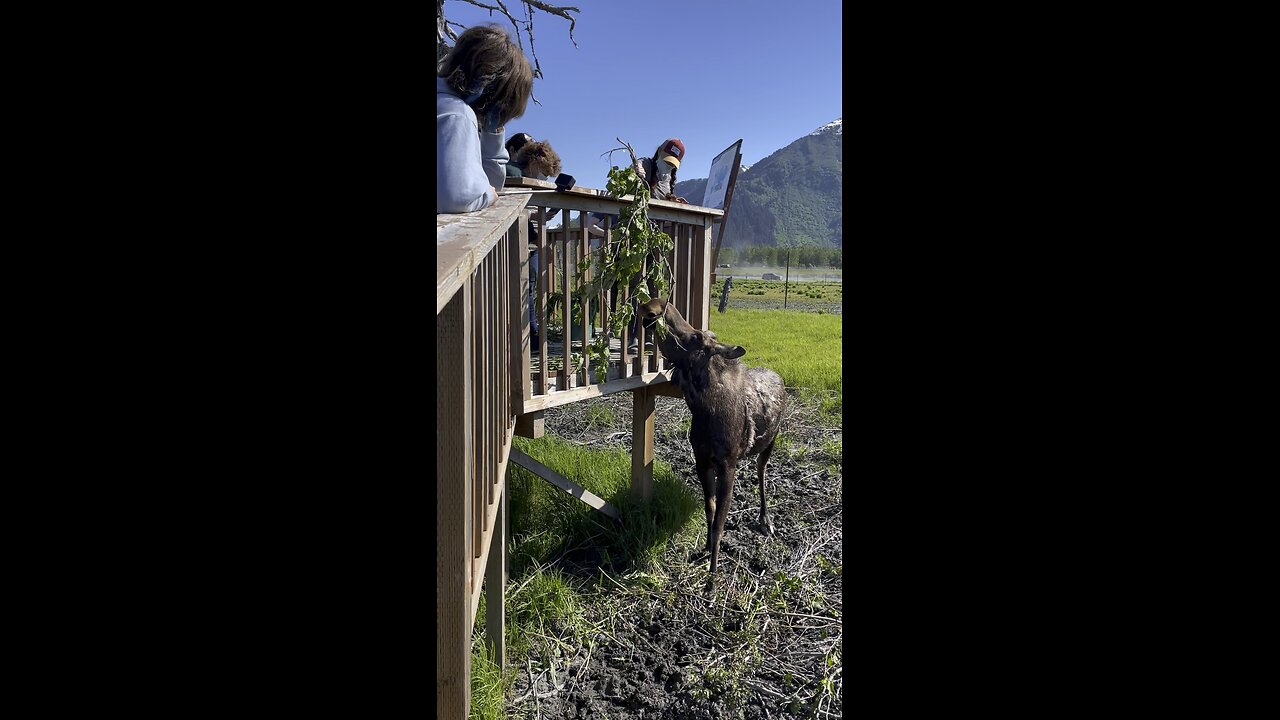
<point>794,196</point>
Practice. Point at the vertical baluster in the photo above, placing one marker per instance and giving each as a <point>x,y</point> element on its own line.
<point>606,296</point>
<point>477,496</point>
<point>519,378</point>
<point>567,309</point>
<point>500,333</point>
<point>499,363</point>
<point>490,465</point>
<point>624,360</point>
<point>640,358</point>
<point>495,326</point>
<point>656,363</point>
<point>584,248</point>
<point>486,429</point>
<point>684,249</point>
<point>543,289</point>
<point>702,269</point>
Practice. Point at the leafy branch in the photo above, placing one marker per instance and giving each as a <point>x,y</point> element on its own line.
<point>619,261</point>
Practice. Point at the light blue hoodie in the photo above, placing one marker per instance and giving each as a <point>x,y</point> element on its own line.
<point>467,161</point>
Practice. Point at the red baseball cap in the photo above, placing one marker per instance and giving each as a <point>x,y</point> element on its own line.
<point>671,151</point>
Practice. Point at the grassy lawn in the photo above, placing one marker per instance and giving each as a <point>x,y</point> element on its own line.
<point>804,348</point>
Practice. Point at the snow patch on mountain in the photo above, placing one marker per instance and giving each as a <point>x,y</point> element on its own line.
<point>836,126</point>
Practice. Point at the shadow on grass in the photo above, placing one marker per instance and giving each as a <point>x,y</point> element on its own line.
<point>549,525</point>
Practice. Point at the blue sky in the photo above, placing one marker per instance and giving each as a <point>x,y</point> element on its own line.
<point>705,71</point>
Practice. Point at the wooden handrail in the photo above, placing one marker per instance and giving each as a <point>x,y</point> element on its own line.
<point>593,200</point>
<point>463,240</point>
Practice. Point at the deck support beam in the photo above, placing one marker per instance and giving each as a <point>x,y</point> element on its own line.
<point>643,412</point>
<point>519,457</point>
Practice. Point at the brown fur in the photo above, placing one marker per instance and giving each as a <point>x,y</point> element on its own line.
<point>736,410</point>
<point>538,158</point>
<point>672,345</point>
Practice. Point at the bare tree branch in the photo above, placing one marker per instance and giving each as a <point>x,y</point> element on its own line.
<point>537,66</point>
<point>625,146</point>
<point>515,25</point>
<point>444,33</point>
<point>559,11</point>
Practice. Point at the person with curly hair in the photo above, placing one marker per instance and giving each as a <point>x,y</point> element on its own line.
<point>538,160</point>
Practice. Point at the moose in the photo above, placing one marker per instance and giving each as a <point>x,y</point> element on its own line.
<point>736,412</point>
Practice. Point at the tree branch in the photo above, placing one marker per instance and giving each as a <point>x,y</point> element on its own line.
<point>625,146</point>
<point>444,33</point>
<point>507,12</point>
<point>558,11</point>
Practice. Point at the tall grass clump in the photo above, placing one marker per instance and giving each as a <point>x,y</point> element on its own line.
<point>488,686</point>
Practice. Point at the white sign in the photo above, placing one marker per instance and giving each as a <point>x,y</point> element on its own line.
<point>718,179</point>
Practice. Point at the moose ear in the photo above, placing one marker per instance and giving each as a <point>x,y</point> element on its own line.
<point>696,338</point>
<point>736,351</point>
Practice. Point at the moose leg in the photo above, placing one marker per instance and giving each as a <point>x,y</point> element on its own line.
<point>761,461</point>
<point>707,475</point>
<point>724,497</point>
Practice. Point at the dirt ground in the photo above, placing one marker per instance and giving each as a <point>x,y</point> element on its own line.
<point>763,639</point>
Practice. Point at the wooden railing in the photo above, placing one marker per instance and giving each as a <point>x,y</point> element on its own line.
<point>492,383</point>
<point>478,266</point>
<point>555,375</point>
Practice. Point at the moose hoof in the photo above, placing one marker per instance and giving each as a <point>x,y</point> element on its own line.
<point>765,525</point>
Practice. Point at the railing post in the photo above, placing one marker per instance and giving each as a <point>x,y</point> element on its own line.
<point>521,364</point>
<point>454,457</point>
<point>700,292</point>
<point>642,416</point>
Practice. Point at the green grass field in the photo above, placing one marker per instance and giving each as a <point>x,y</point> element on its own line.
<point>804,348</point>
